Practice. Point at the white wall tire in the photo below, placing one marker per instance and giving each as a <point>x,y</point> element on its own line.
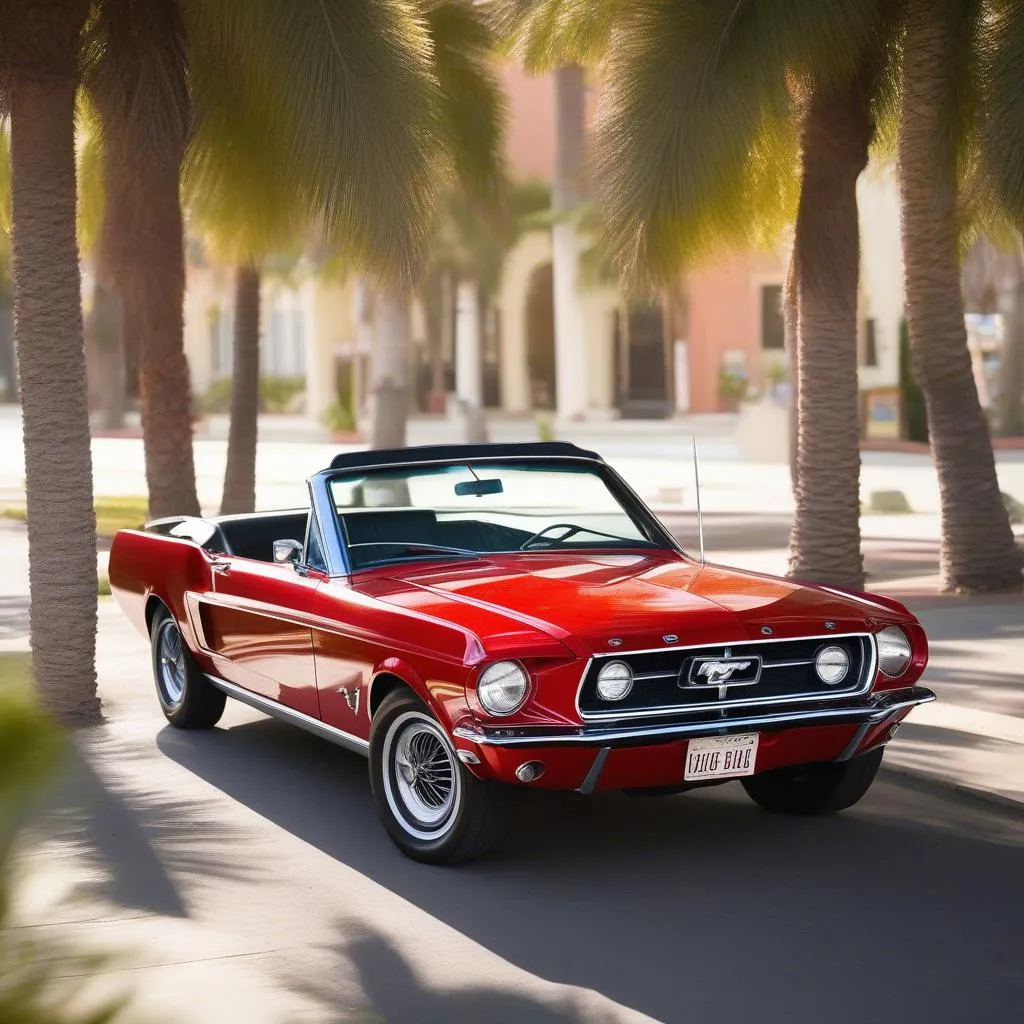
<point>433,809</point>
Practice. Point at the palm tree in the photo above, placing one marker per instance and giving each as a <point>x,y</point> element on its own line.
<point>711,117</point>
<point>324,80</point>
<point>1002,146</point>
<point>39,49</point>
<point>978,549</point>
<point>469,144</point>
<point>238,197</point>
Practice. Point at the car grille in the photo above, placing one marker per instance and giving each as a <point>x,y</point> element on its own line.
<point>671,680</point>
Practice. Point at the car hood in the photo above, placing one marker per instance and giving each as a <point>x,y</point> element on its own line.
<point>589,601</point>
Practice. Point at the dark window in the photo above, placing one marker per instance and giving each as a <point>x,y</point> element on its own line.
<point>773,327</point>
<point>870,354</point>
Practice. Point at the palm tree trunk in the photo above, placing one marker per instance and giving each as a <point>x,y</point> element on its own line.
<point>978,550</point>
<point>165,392</point>
<point>52,379</point>
<point>791,316</point>
<point>104,335</point>
<point>825,540</point>
<point>390,370</point>
<point>240,474</point>
<point>145,121</point>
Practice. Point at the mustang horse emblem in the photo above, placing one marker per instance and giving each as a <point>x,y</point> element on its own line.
<point>717,672</point>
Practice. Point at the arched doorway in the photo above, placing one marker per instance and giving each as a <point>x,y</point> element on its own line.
<point>540,337</point>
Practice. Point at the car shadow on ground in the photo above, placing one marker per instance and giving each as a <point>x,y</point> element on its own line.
<point>698,908</point>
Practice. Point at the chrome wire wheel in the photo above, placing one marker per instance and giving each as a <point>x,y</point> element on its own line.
<point>422,780</point>
<point>170,676</point>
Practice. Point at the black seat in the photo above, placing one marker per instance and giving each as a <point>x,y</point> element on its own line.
<point>401,526</point>
<point>254,537</point>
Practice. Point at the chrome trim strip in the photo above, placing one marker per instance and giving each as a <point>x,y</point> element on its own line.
<point>788,664</point>
<point>731,643</point>
<point>293,717</point>
<point>322,507</point>
<point>795,698</point>
<point>589,784</point>
<point>883,708</point>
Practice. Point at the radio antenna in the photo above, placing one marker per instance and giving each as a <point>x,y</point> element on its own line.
<point>700,518</point>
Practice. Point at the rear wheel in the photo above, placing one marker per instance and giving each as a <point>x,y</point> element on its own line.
<point>815,788</point>
<point>187,699</point>
<point>434,810</point>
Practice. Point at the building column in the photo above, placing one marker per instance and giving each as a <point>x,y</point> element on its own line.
<point>570,346</point>
<point>318,356</point>
<point>468,354</point>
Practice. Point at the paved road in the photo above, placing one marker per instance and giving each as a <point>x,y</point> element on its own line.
<point>245,872</point>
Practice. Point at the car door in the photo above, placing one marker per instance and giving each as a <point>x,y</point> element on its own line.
<point>256,625</point>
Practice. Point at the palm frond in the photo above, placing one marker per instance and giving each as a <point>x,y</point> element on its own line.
<point>89,174</point>
<point>349,95</point>
<point>473,105</point>
<point>545,34</point>
<point>1003,137</point>
<point>696,144</point>
<point>134,59</point>
<point>5,176</point>
<point>235,189</point>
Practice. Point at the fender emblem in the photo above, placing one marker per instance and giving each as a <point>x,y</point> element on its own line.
<point>670,638</point>
<point>767,630</point>
<point>616,642</point>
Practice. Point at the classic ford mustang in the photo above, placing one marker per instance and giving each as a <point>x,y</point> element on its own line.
<point>477,616</point>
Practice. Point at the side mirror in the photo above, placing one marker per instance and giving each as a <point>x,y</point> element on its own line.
<point>287,551</point>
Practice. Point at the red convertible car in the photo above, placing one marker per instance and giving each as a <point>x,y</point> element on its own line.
<point>477,616</point>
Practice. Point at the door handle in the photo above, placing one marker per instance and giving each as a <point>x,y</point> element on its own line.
<point>221,567</point>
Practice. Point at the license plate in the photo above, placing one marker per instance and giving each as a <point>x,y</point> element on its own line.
<point>721,757</point>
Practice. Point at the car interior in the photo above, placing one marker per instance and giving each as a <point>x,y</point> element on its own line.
<point>369,532</point>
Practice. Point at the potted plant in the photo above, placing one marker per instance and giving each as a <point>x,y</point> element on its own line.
<point>732,388</point>
<point>341,422</point>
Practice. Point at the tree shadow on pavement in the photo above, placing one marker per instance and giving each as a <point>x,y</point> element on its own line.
<point>698,907</point>
<point>396,994</point>
<point>135,846</point>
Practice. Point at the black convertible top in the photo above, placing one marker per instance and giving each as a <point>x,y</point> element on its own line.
<point>458,452</point>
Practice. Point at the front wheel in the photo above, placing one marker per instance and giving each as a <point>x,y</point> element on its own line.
<point>814,789</point>
<point>434,810</point>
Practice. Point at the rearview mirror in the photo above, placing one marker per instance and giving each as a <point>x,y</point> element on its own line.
<point>478,487</point>
<point>287,550</point>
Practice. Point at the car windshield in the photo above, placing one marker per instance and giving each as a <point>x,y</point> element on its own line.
<point>478,508</point>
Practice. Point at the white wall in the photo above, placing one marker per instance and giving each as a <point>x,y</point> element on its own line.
<point>882,272</point>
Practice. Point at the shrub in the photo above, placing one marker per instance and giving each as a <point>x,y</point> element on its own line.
<point>41,978</point>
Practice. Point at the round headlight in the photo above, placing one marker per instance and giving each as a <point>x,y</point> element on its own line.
<point>832,664</point>
<point>501,688</point>
<point>614,681</point>
<point>893,651</point>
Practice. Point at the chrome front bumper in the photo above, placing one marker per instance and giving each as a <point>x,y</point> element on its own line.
<point>872,711</point>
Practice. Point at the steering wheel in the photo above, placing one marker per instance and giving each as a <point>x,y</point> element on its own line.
<point>570,531</point>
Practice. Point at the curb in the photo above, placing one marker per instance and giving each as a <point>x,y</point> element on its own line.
<point>933,782</point>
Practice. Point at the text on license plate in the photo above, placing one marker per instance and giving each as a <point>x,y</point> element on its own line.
<point>721,757</point>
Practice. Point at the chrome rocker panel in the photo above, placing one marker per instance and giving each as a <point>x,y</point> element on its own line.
<point>290,715</point>
<point>880,708</point>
